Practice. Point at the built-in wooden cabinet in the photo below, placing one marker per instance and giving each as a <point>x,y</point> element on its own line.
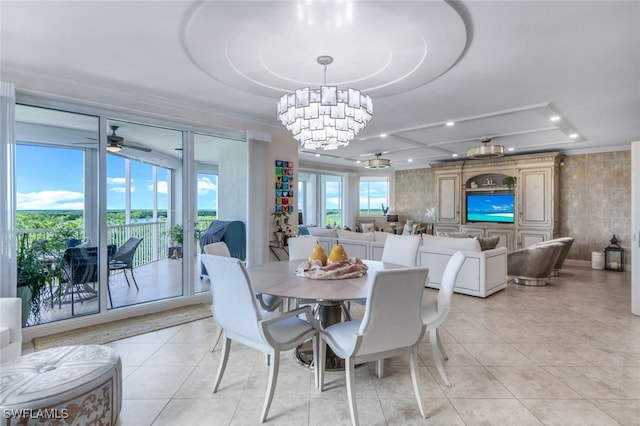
<point>448,198</point>
<point>535,197</point>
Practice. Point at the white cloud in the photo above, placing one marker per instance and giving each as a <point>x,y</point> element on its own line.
<point>118,184</point>
<point>50,200</point>
<point>163,188</point>
<point>116,181</point>
<point>205,185</point>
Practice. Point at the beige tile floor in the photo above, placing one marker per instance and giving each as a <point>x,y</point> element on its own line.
<point>567,353</point>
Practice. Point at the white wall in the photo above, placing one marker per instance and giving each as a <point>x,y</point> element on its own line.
<point>257,220</point>
<point>635,227</point>
<point>233,181</point>
<point>7,191</point>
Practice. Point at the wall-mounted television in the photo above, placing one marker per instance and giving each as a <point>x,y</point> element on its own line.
<point>490,207</point>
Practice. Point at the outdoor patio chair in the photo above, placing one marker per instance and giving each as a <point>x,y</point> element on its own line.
<point>123,259</point>
<point>79,269</point>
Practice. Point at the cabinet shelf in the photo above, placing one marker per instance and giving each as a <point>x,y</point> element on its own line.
<point>494,188</point>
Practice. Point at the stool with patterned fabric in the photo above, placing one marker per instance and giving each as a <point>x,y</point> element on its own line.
<point>69,385</point>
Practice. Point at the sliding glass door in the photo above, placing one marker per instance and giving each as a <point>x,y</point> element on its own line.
<point>144,219</point>
<point>57,170</point>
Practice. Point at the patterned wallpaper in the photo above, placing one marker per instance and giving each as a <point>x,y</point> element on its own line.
<point>595,199</point>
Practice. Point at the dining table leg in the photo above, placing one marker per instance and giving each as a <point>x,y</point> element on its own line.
<point>329,313</point>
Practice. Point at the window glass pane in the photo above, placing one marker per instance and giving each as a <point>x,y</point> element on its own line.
<point>374,192</point>
<point>56,210</point>
<point>332,200</point>
<point>141,178</point>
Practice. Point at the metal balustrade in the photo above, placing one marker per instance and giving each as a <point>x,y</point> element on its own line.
<point>155,238</point>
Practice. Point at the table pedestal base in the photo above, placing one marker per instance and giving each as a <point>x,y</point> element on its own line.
<point>329,313</point>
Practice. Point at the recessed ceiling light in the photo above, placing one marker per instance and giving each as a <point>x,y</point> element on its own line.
<point>383,135</point>
<point>358,161</point>
<point>511,149</point>
<point>410,160</point>
<point>573,135</point>
<point>317,155</point>
<point>450,123</point>
<point>454,155</point>
<point>554,118</point>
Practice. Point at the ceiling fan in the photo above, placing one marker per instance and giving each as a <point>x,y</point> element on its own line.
<point>377,163</point>
<point>115,143</point>
<point>485,150</point>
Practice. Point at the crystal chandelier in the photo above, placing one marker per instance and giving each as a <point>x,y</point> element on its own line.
<point>327,117</point>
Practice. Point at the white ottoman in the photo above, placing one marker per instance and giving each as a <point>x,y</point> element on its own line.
<point>69,385</point>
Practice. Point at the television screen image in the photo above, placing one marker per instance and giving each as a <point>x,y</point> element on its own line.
<point>490,208</point>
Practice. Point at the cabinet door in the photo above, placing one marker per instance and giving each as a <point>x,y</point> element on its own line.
<point>441,231</point>
<point>506,237</point>
<point>529,237</point>
<point>448,198</point>
<point>472,230</point>
<point>536,198</point>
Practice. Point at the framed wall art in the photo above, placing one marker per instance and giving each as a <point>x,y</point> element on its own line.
<point>284,187</point>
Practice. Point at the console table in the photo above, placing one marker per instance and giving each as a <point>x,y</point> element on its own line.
<point>279,251</point>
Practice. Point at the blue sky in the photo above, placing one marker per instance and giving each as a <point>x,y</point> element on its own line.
<point>50,178</point>
<point>53,179</point>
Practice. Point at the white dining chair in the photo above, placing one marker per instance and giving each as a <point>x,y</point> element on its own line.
<point>392,326</point>
<point>239,314</point>
<point>300,248</point>
<point>434,313</point>
<point>268,302</point>
<point>401,249</point>
<point>218,249</point>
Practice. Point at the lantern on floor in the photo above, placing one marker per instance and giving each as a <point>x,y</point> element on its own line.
<point>614,256</point>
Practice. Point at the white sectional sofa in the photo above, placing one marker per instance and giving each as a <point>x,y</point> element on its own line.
<point>483,273</point>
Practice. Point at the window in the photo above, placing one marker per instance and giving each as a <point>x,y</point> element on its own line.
<point>374,192</point>
<point>321,198</point>
<point>332,200</point>
<point>55,177</point>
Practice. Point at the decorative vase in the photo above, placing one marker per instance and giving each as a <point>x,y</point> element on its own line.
<point>279,238</point>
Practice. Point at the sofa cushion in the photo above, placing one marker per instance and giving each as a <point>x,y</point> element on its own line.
<point>380,236</point>
<point>368,227</point>
<point>303,230</point>
<point>350,235</point>
<point>429,241</point>
<point>323,232</point>
<point>457,235</point>
<point>488,243</point>
<point>5,337</point>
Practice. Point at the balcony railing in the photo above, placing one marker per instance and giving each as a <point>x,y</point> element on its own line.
<point>155,238</point>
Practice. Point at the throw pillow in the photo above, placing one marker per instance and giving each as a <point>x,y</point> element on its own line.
<point>488,243</point>
<point>303,230</point>
<point>458,235</point>
<point>429,241</point>
<point>323,232</point>
<point>350,235</point>
<point>367,227</point>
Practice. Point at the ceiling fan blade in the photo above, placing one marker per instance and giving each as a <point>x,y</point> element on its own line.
<point>139,148</point>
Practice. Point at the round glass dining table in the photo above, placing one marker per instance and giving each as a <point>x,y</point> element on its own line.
<point>280,279</point>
